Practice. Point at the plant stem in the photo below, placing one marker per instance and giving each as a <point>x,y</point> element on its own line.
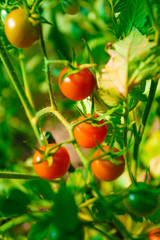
<point>15,221</point>
<point>142,126</point>
<point>26,85</point>
<point>13,175</point>
<point>126,142</point>
<point>102,232</point>
<point>122,229</point>
<point>36,2</point>
<point>19,89</point>
<point>150,11</point>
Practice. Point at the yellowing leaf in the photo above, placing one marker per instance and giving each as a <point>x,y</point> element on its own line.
<point>132,60</point>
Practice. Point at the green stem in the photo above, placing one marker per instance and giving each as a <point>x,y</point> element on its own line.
<point>43,112</point>
<point>13,175</point>
<point>26,85</point>
<point>122,229</point>
<point>48,73</point>
<point>142,126</point>
<point>36,2</point>
<point>126,142</point>
<point>19,89</point>
<point>101,231</point>
<point>150,11</point>
<point>15,221</point>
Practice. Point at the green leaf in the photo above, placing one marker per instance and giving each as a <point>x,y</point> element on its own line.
<point>133,60</point>
<point>39,230</point>
<point>134,14</point>
<point>15,204</point>
<point>64,210</point>
<point>41,188</point>
<point>76,184</point>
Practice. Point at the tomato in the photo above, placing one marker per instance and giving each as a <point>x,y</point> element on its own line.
<point>59,167</point>
<point>71,6</point>
<point>141,200</point>
<point>104,169</point>
<point>20,31</point>
<point>87,135</point>
<point>154,234</point>
<point>77,86</point>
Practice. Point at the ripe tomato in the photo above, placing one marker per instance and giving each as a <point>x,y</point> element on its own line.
<point>86,135</point>
<point>59,167</point>
<point>141,200</point>
<point>19,30</point>
<point>71,6</point>
<point>154,234</point>
<point>77,86</point>
<point>104,169</point>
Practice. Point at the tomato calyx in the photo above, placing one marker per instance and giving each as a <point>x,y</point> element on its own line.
<point>90,120</point>
<point>74,69</point>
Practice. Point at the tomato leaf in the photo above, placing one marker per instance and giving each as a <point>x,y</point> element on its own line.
<point>39,232</point>
<point>41,188</point>
<point>133,60</point>
<point>134,14</point>
<point>15,204</point>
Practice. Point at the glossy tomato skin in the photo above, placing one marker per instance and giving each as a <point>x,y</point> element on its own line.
<point>71,7</point>
<point>19,30</point>
<point>141,201</point>
<point>59,167</point>
<point>107,170</point>
<point>77,86</point>
<point>154,234</point>
<point>85,134</point>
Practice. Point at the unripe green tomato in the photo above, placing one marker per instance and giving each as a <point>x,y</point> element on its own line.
<point>71,7</point>
<point>141,200</point>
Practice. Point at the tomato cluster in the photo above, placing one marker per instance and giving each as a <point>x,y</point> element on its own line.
<point>77,86</point>
<point>21,31</point>
<point>87,135</point>
<point>106,170</point>
<point>60,163</point>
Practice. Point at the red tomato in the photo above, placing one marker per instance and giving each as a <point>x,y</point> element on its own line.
<point>154,234</point>
<point>86,135</point>
<point>104,169</point>
<point>20,31</point>
<point>59,167</point>
<point>77,86</point>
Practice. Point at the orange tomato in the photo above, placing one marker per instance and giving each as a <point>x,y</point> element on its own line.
<point>87,135</point>
<point>59,167</point>
<point>104,169</point>
<point>77,86</point>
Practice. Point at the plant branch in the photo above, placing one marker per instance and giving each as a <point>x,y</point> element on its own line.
<point>19,89</point>
<point>142,126</point>
<point>26,85</point>
<point>128,161</point>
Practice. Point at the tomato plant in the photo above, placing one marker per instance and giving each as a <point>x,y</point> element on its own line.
<point>21,31</point>
<point>71,6</point>
<point>110,153</point>
<point>141,201</point>
<point>77,86</point>
<point>60,163</point>
<point>107,170</point>
<point>154,234</point>
<point>88,135</point>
